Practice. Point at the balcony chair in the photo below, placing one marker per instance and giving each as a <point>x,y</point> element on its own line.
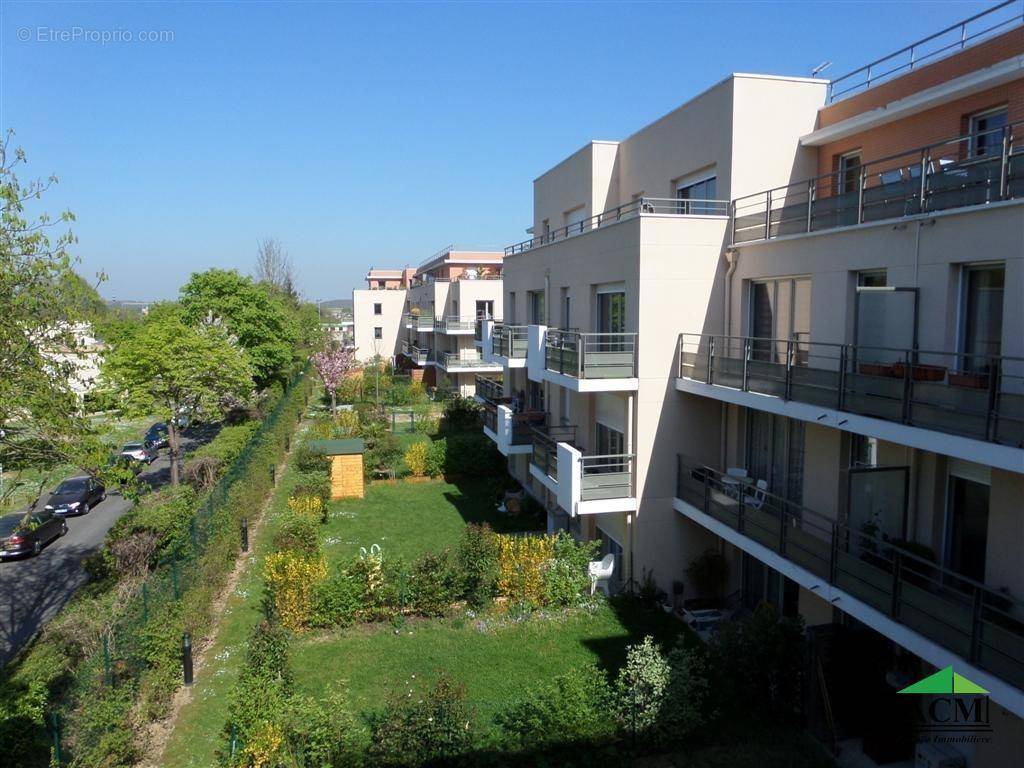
<point>601,571</point>
<point>756,500</point>
<point>736,472</point>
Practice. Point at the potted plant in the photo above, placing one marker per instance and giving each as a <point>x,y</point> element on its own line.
<point>875,369</point>
<point>920,372</point>
<point>969,380</point>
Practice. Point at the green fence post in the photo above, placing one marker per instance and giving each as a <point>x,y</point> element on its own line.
<point>108,676</point>
<point>55,726</point>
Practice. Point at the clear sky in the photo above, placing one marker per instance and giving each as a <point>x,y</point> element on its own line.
<point>365,133</point>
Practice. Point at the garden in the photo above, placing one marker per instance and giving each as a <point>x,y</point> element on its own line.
<point>420,626</point>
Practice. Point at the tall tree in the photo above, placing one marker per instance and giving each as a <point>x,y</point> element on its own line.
<point>333,364</point>
<point>258,318</point>
<point>274,267</point>
<point>174,369</point>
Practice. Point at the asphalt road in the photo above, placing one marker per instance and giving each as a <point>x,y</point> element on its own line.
<point>33,590</point>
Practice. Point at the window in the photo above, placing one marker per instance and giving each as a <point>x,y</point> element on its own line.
<point>986,132</point>
<point>566,307</point>
<point>775,453</point>
<point>574,219</point>
<point>610,442</point>
<point>377,309</point>
<point>982,309</point>
<point>378,332</point>
<point>611,311</point>
<point>693,196</point>
<point>535,397</point>
<point>967,511</point>
<point>848,172</point>
<point>484,310</point>
<point>535,300</point>
<point>510,308</point>
<point>863,451</point>
<point>780,310</point>
<point>875,278</point>
<point>380,283</point>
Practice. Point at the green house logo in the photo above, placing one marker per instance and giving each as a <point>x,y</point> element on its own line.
<point>944,681</point>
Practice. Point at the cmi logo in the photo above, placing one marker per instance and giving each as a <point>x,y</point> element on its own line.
<point>957,705</point>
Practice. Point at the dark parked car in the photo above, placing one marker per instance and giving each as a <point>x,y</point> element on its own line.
<point>156,436</point>
<point>139,452</point>
<point>76,496</point>
<point>27,534</point>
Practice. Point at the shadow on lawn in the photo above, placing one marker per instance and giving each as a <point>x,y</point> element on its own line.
<point>477,501</point>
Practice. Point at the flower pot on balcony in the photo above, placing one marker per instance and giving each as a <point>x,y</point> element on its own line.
<point>875,369</point>
<point>920,372</point>
<point>969,380</point>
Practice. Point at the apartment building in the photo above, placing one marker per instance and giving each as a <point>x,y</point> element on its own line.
<point>429,318</point>
<point>784,324</point>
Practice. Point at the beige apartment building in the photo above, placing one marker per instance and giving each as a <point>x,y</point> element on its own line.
<point>429,319</point>
<point>785,324</point>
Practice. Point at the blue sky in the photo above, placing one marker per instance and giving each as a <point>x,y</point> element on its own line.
<point>365,134</point>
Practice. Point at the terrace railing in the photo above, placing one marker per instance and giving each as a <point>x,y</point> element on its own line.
<point>990,22</point>
<point>455,325</point>
<point>419,322</point>
<point>975,396</point>
<point>975,169</point>
<point>545,447</point>
<point>982,624</point>
<point>454,361</point>
<point>607,477</point>
<point>591,355</point>
<point>654,206</point>
<point>510,340</point>
<point>490,417</point>
<point>523,425</point>
<point>419,355</point>
<point>491,390</point>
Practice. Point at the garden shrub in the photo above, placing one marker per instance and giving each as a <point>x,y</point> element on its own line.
<point>291,577</point>
<point>522,562</point>
<point>685,710</point>
<point>566,579</point>
<point>568,711</point>
<point>382,451</point>
<point>229,443</point>
<point>476,564</point>
<point>436,457</point>
<point>461,414</point>
<point>311,507</point>
<point>346,424</point>
<point>336,601</point>
<point>432,728</point>
<point>305,459</point>
<point>320,734</point>
<point>316,484</point>
<point>166,514</point>
<point>382,585</point>
<point>471,454</point>
<point>298,534</point>
<point>430,585</point>
<point>416,459</point>
<point>640,688</point>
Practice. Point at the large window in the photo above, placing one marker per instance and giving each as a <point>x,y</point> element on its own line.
<point>510,308</point>
<point>693,196</point>
<point>775,453</point>
<point>484,310</point>
<point>535,301</point>
<point>848,172</point>
<point>780,310</point>
<point>982,315</point>
<point>967,508</point>
<point>611,311</point>
<point>986,132</point>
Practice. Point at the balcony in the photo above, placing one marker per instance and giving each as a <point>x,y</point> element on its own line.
<point>490,390</point>
<point>644,206</point>
<point>606,361</point>
<point>465,362</point>
<point>454,326</point>
<point>977,169</point>
<point>979,399</point>
<point>545,448</point>
<point>423,323</point>
<point>489,414</point>
<point>510,342</point>
<point>419,355</point>
<point>924,607</point>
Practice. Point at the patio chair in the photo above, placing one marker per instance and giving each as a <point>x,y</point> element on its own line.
<point>601,571</point>
<point>757,499</point>
<point>736,472</point>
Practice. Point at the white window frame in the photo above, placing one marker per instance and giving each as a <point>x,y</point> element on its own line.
<point>972,150</point>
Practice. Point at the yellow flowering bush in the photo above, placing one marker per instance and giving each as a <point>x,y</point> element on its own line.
<point>346,423</point>
<point>522,563</point>
<point>264,748</point>
<point>307,506</point>
<point>292,578</point>
<point>416,458</point>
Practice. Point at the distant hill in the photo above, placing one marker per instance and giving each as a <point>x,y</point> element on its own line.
<point>337,304</point>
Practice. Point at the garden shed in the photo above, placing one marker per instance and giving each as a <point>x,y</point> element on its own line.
<point>346,466</point>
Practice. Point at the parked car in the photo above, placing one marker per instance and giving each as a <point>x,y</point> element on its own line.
<point>139,452</point>
<point>156,436</point>
<point>76,496</point>
<point>27,534</point>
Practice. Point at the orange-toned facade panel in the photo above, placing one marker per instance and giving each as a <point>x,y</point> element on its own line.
<point>982,55</point>
<point>935,125</point>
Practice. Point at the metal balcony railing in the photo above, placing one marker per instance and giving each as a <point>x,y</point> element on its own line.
<point>455,325</point>
<point>651,206</point>
<point>490,417</point>
<point>975,396</point>
<point>975,169</point>
<point>523,425</point>
<point>419,355</point>
<point>607,477</point>
<point>491,390</point>
<point>979,623</point>
<point>982,26</point>
<point>454,361</point>
<point>591,355</point>
<point>510,340</point>
<point>419,322</point>
<point>545,447</point>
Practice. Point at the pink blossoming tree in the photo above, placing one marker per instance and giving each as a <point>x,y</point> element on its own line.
<point>333,365</point>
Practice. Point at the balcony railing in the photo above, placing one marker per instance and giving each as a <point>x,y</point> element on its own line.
<point>419,322</point>
<point>591,355</point>
<point>975,169</point>
<point>418,355</point>
<point>523,425</point>
<point>491,390</point>
<point>659,206</point>
<point>490,417</point>
<point>972,30</point>
<point>607,477</point>
<point>454,361</point>
<point>975,396</point>
<point>545,447</point>
<point>510,340</point>
<point>981,624</point>
<point>455,325</point>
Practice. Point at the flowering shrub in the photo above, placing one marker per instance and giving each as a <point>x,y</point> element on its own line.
<point>308,506</point>
<point>291,579</point>
<point>566,580</point>
<point>522,562</point>
<point>416,459</point>
<point>298,534</point>
<point>641,685</point>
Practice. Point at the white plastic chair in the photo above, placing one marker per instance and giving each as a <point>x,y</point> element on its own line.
<point>601,570</point>
<point>757,500</point>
